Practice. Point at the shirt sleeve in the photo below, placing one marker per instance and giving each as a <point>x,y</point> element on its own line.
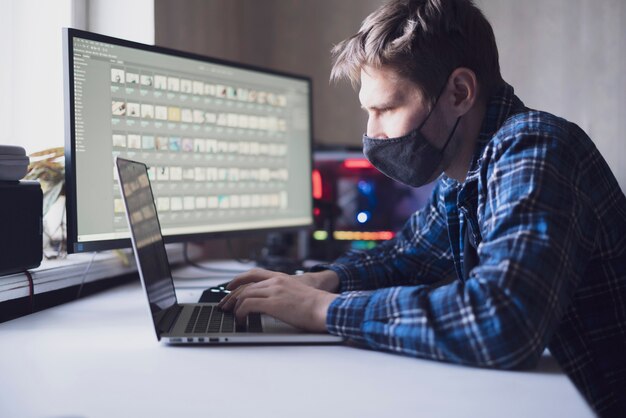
<point>419,253</point>
<point>538,234</point>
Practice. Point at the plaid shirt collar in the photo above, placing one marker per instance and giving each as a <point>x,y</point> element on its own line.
<point>502,105</point>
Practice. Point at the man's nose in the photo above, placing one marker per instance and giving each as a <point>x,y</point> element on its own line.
<point>375,129</point>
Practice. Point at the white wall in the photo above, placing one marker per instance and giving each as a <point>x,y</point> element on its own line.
<point>568,57</point>
<point>6,71</point>
<point>132,20</point>
<point>31,62</point>
<point>32,72</point>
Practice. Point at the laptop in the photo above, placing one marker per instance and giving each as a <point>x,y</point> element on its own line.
<point>187,323</point>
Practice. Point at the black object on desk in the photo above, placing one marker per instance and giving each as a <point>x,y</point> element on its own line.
<point>21,231</point>
<point>214,294</point>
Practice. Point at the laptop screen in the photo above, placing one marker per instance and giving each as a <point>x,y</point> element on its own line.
<point>147,239</point>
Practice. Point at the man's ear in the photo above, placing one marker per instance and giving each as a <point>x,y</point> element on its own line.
<point>463,86</point>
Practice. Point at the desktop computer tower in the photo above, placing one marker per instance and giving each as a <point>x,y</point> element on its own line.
<point>355,205</point>
<point>20,226</point>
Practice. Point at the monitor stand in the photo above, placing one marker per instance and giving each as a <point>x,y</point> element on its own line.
<point>274,256</point>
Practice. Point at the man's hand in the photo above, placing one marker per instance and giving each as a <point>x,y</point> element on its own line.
<point>285,297</point>
<point>324,280</point>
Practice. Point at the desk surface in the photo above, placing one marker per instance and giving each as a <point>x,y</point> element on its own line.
<point>99,357</point>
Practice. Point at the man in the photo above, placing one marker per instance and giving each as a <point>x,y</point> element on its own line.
<point>523,243</point>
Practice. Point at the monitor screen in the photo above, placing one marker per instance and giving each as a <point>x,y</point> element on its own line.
<point>228,146</point>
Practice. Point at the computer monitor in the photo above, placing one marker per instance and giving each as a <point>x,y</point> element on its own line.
<point>228,145</point>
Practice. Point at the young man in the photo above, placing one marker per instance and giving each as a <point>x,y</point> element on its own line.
<point>523,243</point>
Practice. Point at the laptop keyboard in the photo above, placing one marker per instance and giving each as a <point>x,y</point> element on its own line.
<point>211,319</point>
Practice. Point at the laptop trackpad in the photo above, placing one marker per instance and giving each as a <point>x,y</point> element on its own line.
<point>272,325</point>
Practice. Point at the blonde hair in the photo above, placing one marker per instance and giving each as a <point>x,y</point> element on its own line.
<point>424,41</point>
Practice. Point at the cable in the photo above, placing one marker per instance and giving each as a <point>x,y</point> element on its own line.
<point>82,281</point>
<point>31,290</point>
<point>201,267</point>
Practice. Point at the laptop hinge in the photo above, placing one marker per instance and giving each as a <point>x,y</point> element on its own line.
<point>167,321</point>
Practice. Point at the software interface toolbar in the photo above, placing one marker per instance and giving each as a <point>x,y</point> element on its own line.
<point>228,148</point>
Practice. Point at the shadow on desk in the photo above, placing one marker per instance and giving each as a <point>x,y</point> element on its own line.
<point>547,364</point>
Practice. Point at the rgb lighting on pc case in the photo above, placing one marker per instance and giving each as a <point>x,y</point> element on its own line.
<point>355,205</point>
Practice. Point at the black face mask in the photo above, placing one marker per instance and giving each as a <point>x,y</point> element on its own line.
<point>409,159</point>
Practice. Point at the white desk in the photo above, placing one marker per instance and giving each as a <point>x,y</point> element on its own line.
<point>99,357</point>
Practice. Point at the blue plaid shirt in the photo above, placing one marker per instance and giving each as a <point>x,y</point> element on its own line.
<point>548,221</point>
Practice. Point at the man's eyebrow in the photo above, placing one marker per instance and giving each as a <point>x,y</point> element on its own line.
<point>379,106</point>
<point>385,101</point>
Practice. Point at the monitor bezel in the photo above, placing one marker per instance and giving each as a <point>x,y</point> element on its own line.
<point>73,245</point>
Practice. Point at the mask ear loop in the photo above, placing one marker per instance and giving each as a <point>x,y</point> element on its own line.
<point>419,128</point>
<point>433,109</point>
<point>451,135</point>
